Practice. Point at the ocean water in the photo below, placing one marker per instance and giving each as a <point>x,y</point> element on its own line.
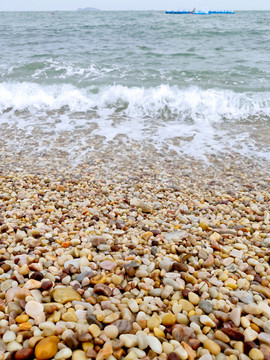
<point>196,85</point>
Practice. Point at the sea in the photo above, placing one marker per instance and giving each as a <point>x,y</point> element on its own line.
<point>190,85</point>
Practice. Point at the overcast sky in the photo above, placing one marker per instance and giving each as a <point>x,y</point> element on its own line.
<point>20,5</point>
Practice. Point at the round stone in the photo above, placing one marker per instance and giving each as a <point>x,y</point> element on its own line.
<point>256,354</point>
<point>212,346</point>
<point>94,330</point>
<point>173,356</point>
<point>65,353</point>
<point>47,348</point>
<point>34,309</point>
<point>221,336</point>
<point>159,333</point>
<point>79,355</point>
<point>193,298</point>
<point>24,354</point>
<point>205,320</point>
<point>169,319</point>
<point>13,346</point>
<point>9,336</point>
<point>186,305</point>
<point>116,279</point>
<point>22,318</point>
<point>206,306</point>
<point>111,331</point>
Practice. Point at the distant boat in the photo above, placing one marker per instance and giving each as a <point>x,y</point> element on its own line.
<point>221,12</point>
<point>199,12</point>
<point>180,12</point>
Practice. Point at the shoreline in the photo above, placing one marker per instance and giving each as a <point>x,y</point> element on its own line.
<point>123,260</point>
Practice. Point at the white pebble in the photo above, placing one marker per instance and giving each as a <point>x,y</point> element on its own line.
<point>129,340</point>
<point>9,336</point>
<point>205,320</point>
<point>154,344</point>
<point>65,353</point>
<point>142,340</point>
<point>13,346</point>
<point>33,308</point>
<point>132,304</point>
<point>111,331</point>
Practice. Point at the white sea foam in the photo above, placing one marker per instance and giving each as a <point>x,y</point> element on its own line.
<point>192,120</point>
<point>66,70</point>
<point>136,102</point>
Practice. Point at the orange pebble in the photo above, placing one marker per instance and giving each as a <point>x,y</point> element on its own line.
<point>66,244</point>
<point>22,318</point>
<point>25,326</point>
<point>118,353</point>
<point>255,327</point>
<point>265,282</point>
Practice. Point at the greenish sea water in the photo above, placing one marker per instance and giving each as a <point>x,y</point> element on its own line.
<point>145,76</point>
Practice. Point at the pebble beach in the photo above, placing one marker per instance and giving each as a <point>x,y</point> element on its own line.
<point>134,185</point>
<point>134,258</point>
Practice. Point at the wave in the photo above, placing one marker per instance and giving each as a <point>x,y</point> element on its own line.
<point>53,69</point>
<point>161,102</point>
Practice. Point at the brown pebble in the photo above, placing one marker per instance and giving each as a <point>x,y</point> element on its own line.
<point>177,266</point>
<point>84,337</point>
<point>233,333</point>
<point>24,354</point>
<point>194,343</point>
<point>130,271</point>
<point>6,267</point>
<point>46,285</point>
<point>185,293</point>
<point>72,341</point>
<point>37,275</point>
<point>102,289</point>
<point>90,353</point>
<point>173,356</point>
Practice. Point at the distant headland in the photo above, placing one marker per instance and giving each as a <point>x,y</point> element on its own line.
<point>88,9</point>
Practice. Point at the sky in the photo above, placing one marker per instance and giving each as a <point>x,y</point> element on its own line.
<point>49,5</point>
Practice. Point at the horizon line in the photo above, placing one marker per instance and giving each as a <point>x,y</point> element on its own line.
<point>104,10</point>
